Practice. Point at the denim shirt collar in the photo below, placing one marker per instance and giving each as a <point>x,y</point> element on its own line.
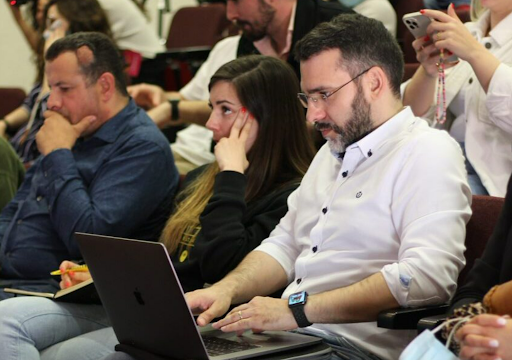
<point>114,127</point>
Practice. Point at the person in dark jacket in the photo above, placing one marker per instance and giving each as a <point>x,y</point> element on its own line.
<point>481,337</point>
<point>226,209</point>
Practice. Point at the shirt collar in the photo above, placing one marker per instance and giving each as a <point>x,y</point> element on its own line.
<point>111,130</point>
<point>371,143</point>
<point>502,33</point>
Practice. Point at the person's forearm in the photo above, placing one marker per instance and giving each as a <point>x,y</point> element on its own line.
<point>193,112</point>
<point>484,65</point>
<point>17,118</point>
<point>420,92</point>
<point>258,274</point>
<point>29,32</point>
<point>359,302</point>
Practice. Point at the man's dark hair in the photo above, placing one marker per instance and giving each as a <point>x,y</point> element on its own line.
<point>363,43</point>
<point>106,57</point>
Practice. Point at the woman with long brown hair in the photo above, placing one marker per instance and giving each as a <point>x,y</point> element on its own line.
<point>225,210</point>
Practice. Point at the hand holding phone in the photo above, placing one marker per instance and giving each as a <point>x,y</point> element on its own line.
<point>417,23</point>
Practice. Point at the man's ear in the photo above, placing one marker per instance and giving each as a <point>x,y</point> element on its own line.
<point>107,86</point>
<point>376,80</point>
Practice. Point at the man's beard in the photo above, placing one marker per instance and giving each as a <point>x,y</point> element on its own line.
<point>258,29</point>
<point>358,126</point>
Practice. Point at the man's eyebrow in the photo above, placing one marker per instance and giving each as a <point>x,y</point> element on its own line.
<point>316,90</point>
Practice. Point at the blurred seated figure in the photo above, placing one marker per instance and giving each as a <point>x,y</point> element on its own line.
<point>477,91</point>
<point>104,167</point>
<point>268,28</point>
<point>11,173</point>
<point>225,210</point>
<point>130,29</point>
<point>381,10</point>
<point>488,289</point>
<point>60,17</point>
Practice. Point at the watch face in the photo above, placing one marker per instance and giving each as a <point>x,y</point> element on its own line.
<point>297,298</point>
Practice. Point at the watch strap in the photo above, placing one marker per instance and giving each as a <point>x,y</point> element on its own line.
<point>175,111</point>
<point>300,316</point>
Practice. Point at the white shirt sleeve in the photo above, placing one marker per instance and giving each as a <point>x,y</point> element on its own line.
<point>424,212</point>
<point>499,98</point>
<point>223,52</point>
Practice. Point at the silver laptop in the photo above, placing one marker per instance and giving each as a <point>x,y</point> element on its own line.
<point>144,300</point>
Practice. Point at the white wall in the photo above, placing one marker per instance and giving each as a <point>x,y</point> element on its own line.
<point>16,67</point>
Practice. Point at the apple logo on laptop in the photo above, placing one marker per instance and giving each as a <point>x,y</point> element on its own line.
<point>138,297</point>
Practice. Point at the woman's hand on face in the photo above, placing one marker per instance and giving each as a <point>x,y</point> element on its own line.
<point>449,33</point>
<point>71,278</point>
<point>230,152</point>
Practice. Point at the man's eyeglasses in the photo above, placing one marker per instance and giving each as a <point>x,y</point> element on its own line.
<point>315,98</point>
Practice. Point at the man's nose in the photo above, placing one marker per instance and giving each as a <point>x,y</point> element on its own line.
<point>314,113</point>
<point>54,102</point>
<point>231,10</point>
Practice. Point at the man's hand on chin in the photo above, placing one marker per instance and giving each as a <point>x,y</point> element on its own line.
<point>58,133</point>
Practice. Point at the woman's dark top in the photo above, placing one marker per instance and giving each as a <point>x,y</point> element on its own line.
<point>229,229</point>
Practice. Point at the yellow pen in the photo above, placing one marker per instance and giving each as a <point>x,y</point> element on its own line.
<point>79,268</point>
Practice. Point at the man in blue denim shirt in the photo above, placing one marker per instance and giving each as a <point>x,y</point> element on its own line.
<point>105,169</point>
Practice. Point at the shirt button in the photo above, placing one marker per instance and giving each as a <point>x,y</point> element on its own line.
<point>315,248</point>
<point>488,45</point>
<point>19,222</point>
<point>370,153</point>
<point>299,281</point>
<point>39,198</point>
<point>45,174</point>
<point>471,80</point>
<point>324,210</point>
<point>344,174</point>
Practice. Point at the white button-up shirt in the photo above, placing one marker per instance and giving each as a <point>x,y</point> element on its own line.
<point>487,117</point>
<point>397,203</point>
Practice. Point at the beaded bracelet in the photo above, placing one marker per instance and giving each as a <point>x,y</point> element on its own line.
<point>441,91</point>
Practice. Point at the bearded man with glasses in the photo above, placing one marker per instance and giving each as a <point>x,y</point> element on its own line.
<point>378,220</point>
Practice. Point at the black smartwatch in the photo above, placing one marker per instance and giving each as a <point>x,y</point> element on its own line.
<point>175,111</point>
<point>296,304</point>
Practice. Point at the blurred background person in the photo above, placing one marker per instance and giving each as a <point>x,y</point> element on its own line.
<point>60,17</point>
<point>478,88</point>
<point>381,10</point>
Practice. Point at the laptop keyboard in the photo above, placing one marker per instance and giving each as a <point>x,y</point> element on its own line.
<point>217,346</point>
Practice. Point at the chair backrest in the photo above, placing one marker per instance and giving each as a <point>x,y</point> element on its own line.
<point>409,70</point>
<point>202,25</point>
<point>10,99</point>
<point>486,211</point>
